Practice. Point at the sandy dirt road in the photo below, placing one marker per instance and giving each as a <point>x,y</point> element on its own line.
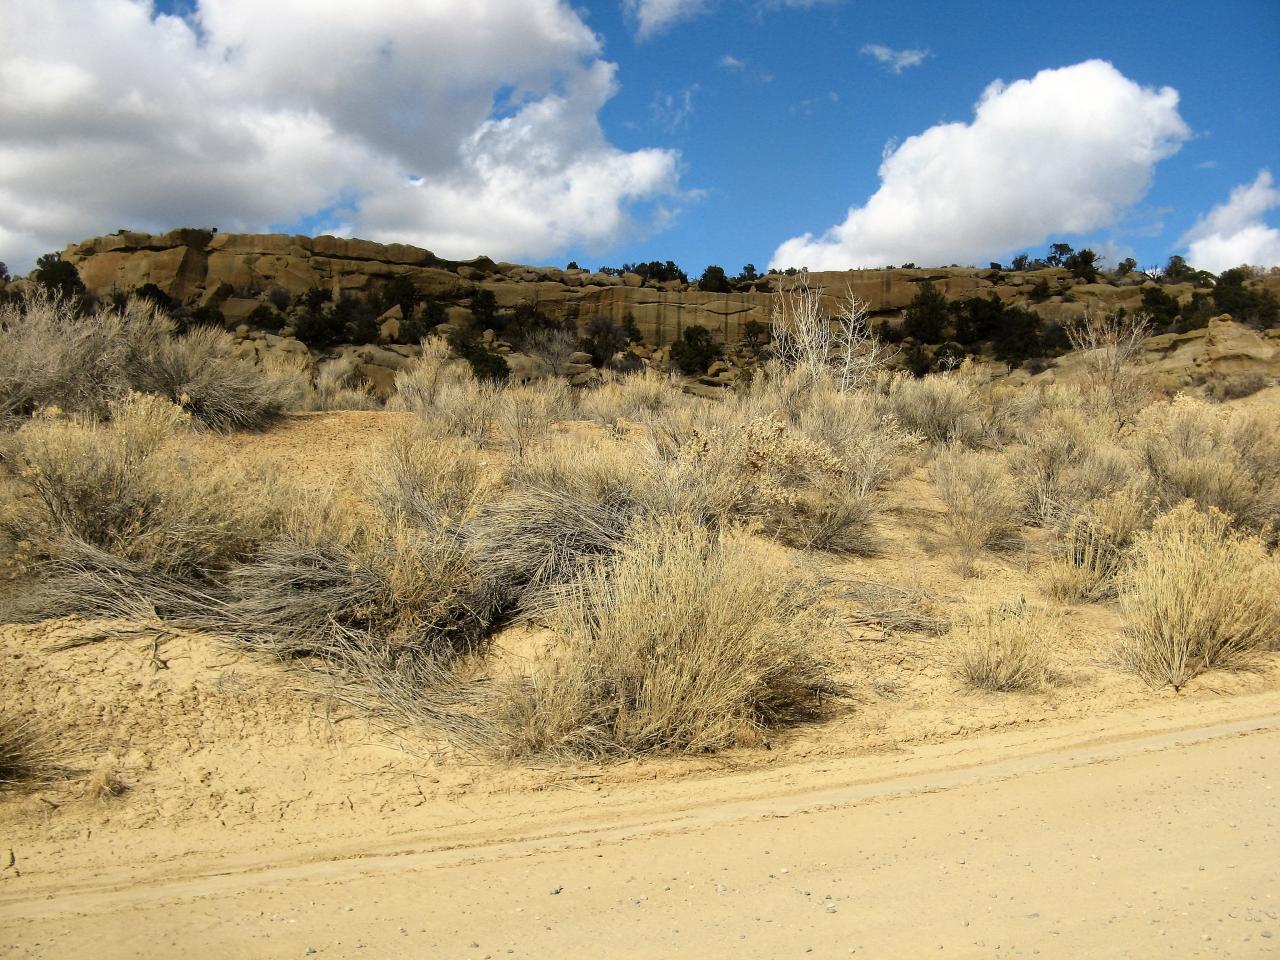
<point>1160,844</point>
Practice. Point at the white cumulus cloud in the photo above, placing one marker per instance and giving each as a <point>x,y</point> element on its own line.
<point>1064,152</point>
<point>654,16</point>
<point>466,126</point>
<point>1234,233</point>
<point>895,60</point>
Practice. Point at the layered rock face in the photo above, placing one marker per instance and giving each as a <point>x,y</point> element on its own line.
<point>234,272</point>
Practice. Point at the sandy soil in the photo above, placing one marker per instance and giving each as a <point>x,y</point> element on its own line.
<point>1151,844</point>
<point>265,817</point>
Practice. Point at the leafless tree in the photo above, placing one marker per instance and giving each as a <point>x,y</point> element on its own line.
<point>842,346</point>
<point>555,347</point>
<point>1110,345</point>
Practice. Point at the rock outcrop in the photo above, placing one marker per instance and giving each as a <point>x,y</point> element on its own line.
<point>236,272</point>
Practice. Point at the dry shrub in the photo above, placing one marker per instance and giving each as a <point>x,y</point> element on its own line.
<point>570,502</point>
<point>639,397</point>
<point>1092,544</point>
<point>50,357</point>
<point>1109,346</point>
<point>983,502</point>
<point>203,372</point>
<point>525,413</point>
<point>416,387</point>
<point>338,387</point>
<point>127,486</point>
<point>428,482</point>
<point>1198,595</point>
<point>943,408</point>
<point>1239,386</point>
<point>679,644</point>
<point>1220,458</point>
<point>812,479</point>
<point>30,753</point>
<point>464,408</point>
<point>331,576</point>
<point>1068,456</point>
<point>1006,647</point>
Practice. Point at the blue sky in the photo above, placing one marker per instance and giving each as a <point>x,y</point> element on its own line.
<point>777,155</point>
<point>703,131</point>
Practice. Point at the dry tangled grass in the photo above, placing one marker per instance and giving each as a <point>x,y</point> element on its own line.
<point>1005,647</point>
<point>680,643</point>
<point>53,357</point>
<point>1198,595</point>
<point>641,546</point>
<point>983,501</point>
<point>31,754</point>
<point>127,485</point>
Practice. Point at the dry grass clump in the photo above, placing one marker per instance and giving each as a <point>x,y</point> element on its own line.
<point>805,458</point>
<point>417,386</point>
<point>1197,595</point>
<point>30,754</point>
<point>1006,647</point>
<point>338,387</point>
<point>1092,545</point>
<point>1224,459</point>
<point>202,372</point>
<point>570,502</point>
<point>679,644</point>
<point>943,408</point>
<point>638,397</point>
<point>1068,455</point>
<point>427,481</point>
<point>525,413</point>
<point>333,574</point>
<point>463,408</point>
<point>126,486</point>
<point>983,503</point>
<point>50,357</point>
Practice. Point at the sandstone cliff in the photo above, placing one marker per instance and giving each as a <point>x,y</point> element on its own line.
<point>233,271</point>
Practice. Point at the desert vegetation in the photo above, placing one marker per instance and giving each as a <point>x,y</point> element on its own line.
<point>675,552</point>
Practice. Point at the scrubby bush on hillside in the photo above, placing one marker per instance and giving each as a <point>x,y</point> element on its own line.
<point>983,503</point>
<point>679,644</point>
<point>1216,457</point>
<point>1005,647</point>
<point>127,487</point>
<point>202,372</point>
<point>1197,596</point>
<point>1110,345</point>
<point>54,357</point>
